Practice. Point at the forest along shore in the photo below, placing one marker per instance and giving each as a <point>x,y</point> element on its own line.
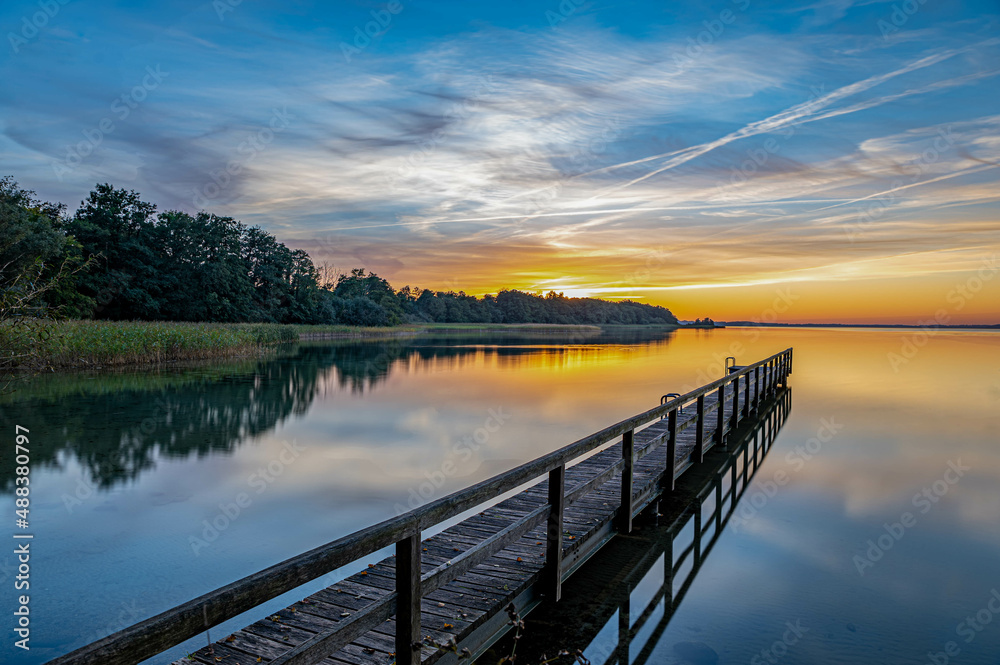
<point>117,283</point>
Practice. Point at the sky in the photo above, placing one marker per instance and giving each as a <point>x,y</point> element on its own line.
<point>816,161</point>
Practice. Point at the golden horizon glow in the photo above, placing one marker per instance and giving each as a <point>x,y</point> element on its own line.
<point>937,287</point>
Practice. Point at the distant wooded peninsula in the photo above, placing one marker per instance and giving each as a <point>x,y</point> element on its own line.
<point>117,258</point>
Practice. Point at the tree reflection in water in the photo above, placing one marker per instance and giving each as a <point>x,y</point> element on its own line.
<point>117,424</point>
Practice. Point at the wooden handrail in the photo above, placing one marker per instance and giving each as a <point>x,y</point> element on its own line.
<point>167,629</point>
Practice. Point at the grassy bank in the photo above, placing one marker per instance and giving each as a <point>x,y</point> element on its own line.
<point>336,331</point>
<point>98,344</point>
<point>46,344</point>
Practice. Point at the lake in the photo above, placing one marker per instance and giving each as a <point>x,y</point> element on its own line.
<point>881,543</point>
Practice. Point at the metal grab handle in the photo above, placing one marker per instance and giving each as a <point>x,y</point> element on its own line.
<point>666,398</point>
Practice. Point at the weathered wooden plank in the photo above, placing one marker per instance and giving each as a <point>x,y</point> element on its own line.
<point>320,645</point>
<point>498,541</point>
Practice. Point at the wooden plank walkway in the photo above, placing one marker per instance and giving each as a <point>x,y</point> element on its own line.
<point>459,608</point>
<point>454,586</point>
<point>688,527</point>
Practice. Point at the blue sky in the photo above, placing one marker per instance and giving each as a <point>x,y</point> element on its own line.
<point>705,152</point>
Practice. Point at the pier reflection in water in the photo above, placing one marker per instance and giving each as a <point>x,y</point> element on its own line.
<point>617,607</point>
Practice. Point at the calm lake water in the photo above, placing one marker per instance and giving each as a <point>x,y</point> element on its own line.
<point>882,543</point>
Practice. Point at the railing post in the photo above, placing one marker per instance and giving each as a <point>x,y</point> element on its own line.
<point>408,600</point>
<point>756,389</point>
<point>628,456</point>
<point>735,418</point>
<point>553,545</point>
<point>720,419</point>
<point>671,462</point>
<point>746,395</point>
<point>699,432</point>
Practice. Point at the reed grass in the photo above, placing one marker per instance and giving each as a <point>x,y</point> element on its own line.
<point>59,344</point>
<point>47,345</point>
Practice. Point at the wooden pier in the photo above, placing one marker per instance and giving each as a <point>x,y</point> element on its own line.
<point>670,553</point>
<point>454,586</point>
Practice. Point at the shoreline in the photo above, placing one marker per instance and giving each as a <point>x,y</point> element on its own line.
<point>67,346</point>
<point>412,329</point>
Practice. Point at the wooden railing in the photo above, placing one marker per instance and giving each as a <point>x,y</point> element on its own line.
<point>723,507</point>
<point>156,634</point>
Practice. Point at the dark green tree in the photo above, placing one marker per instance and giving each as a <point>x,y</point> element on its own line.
<point>114,226</point>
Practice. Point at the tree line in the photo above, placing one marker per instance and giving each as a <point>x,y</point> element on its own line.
<point>117,258</point>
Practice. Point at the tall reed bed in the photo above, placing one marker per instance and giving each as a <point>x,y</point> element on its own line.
<point>109,343</point>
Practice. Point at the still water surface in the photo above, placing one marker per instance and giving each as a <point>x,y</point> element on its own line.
<point>130,471</point>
